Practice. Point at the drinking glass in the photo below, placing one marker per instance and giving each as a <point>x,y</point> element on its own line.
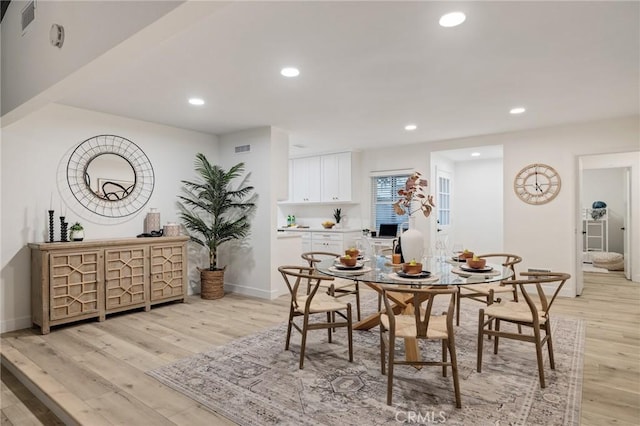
<point>457,249</point>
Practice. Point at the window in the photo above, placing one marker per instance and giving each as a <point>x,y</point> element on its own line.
<point>444,201</point>
<point>384,193</point>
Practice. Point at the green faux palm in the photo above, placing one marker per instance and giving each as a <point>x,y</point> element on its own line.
<point>212,211</point>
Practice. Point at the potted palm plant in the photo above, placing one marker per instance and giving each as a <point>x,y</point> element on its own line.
<point>214,212</point>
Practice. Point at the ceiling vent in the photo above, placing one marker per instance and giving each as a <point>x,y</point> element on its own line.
<point>28,14</point>
<point>243,148</point>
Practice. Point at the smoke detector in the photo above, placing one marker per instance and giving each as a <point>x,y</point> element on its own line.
<point>56,35</point>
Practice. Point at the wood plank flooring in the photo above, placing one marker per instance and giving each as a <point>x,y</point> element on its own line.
<point>96,370</point>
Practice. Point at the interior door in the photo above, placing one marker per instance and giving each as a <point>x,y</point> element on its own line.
<point>626,244</point>
<point>443,189</point>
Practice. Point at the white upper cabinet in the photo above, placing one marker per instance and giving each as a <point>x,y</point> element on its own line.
<point>336,177</point>
<point>305,179</point>
<point>325,178</point>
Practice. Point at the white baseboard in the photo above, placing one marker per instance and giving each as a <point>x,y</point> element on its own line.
<point>15,324</point>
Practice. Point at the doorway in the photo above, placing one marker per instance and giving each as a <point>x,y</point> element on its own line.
<point>605,211</point>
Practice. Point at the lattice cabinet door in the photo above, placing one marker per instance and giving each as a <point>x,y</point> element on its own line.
<point>74,284</point>
<point>168,272</point>
<point>126,275</point>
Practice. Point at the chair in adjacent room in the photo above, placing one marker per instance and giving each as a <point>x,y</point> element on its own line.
<point>420,324</point>
<point>532,313</point>
<point>338,287</point>
<point>313,303</point>
<point>487,293</point>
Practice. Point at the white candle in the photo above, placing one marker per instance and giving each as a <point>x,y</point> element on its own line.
<point>51,202</point>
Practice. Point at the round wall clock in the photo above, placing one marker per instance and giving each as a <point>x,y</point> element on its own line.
<point>537,184</point>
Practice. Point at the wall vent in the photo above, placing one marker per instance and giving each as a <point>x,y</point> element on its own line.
<point>28,14</point>
<point>243,148</point>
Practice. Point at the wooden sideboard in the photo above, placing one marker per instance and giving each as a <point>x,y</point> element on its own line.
<point>73,281</point>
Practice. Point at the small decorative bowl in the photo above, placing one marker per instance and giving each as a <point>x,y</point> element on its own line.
<point>476,263</point>
<point>353,252</point>
<point>348,261</point>
<point>466,254</point>
<point>328,225</point>
<point>408,268</point>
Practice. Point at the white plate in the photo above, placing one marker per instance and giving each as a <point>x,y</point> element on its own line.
<point>342,267</point>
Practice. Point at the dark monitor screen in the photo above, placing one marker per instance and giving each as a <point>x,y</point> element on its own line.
<point>388,230</point>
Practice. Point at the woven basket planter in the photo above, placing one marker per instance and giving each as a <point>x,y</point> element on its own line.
<point>211,284</point>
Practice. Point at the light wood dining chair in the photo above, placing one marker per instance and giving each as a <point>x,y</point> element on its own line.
<point>532,313</point>
<point>419,324</point>
<point>306,305</point>
<point>338,287</point>
<point>486,293</point>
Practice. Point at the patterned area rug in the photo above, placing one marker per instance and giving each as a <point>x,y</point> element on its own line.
<point>254,381</point>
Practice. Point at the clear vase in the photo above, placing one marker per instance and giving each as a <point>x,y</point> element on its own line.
<point>412,243</point>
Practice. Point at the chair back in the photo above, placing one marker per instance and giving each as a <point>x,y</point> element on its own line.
<point>539,280</point>
<point>423,298</point>
<point>313,257</point>
<point>507,260</point>
<point>293,275</point>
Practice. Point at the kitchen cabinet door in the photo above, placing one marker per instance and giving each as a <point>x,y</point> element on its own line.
<point>336,177</point>
<point>305,179</point>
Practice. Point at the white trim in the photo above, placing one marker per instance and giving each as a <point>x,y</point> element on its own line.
<point>377,173</point>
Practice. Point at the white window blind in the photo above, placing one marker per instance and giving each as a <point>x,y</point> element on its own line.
<point>384,192</point>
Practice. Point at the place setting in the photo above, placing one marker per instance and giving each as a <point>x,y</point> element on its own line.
<point>475,266</point>
<point>351,262</point>
<point>412,272</point>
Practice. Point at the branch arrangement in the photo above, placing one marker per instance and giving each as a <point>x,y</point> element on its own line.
<point>414,191</point>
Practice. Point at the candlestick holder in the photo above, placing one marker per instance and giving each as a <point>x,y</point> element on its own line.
<point>63,230</point>
<point>50,226</point>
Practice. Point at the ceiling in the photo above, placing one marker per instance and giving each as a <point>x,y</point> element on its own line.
<point>369,68</point>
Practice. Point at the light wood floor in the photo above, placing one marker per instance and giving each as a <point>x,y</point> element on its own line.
<point>96,370</point>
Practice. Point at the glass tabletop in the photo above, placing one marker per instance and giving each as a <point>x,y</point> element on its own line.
<point>380,270</point>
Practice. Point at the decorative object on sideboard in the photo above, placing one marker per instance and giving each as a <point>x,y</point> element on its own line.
<point>63,230</point>
<point>152,221</point>
<point>412,241</point>
<point>77,232</point>
<point>171,230</point>
<point>214,213</point>
<point>51,236</point>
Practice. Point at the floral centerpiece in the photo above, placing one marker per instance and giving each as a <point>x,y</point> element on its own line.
<point>414,190</point>
<point>411,241</point>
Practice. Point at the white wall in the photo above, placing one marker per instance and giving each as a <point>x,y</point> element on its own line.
<point>478,205</point>
<point>89,33</point>
<point>250,269</point>
<point>545,235</point>
<point>607,185</point>
<point>32,150</point>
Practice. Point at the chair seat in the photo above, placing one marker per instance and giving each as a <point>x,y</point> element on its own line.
<point>513,311</point>
<point>484,288</point>
<point>321,303</point>
<point>406,326</point>
<point>339,284</point>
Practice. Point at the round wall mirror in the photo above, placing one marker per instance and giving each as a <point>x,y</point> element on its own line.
<point>110,176</point>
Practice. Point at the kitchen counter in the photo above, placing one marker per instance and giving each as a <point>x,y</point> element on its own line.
<point>320,229</point>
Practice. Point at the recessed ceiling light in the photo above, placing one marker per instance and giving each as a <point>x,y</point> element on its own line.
<point>475,154</point>
<point>517,110</point>
<point>196,101</point>
<point>410,127</point>
<point>290,72</point>
<point>452,19</point>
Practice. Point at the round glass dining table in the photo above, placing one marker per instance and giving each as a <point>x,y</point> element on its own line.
<point>378,271</point>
